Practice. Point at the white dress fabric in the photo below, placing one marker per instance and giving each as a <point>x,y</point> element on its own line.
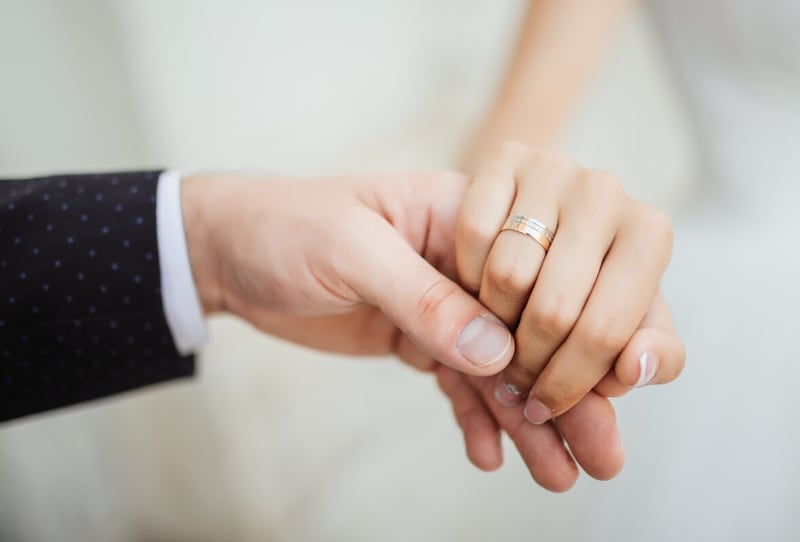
<point>715,455</point>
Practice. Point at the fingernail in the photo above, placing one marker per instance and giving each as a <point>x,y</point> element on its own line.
<point>648,365</point>
<point>484,341</point>
<point>506,393</point>
<point>537,412</point>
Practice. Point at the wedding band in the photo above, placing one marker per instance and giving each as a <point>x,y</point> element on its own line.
<point>532,228</point>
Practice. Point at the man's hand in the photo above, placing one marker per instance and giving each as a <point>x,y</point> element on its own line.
<point>365,266</point>
<point>357,265</point>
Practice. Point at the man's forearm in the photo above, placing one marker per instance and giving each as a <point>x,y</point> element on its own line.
<point>81,311</point>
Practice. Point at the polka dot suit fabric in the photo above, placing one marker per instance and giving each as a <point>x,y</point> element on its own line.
<point>81,315</point>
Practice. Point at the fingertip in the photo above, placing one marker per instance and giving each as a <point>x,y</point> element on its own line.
<point>482,441</point>
<point>679,364</point>
<point>648,367</point>
<point>559,482</point>
<point>486,345</point>
<point>547,458</point>
<point>652,357</point>
<point>612,464</point>
<point>639,361</point>
<point>610,473</point>
<point>486,458</point>
<point>591,430</point>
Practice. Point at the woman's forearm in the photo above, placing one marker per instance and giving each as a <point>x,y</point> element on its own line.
<point>560,43</point>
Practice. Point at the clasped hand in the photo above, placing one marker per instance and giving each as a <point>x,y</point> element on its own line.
<point>588,318</point>
<point>417,265</point>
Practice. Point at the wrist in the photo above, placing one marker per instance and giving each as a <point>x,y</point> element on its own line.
<point>201,209</point>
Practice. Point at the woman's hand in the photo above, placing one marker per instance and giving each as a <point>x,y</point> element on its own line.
<point>588,430</point>
<point>358,265</point>
<point>576,306</point>
<point>365,266</point>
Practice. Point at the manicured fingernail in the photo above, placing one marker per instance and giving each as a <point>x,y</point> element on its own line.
<point>506,393</point>
<point>537,412</point>
<point>648,365</point>
<point>484,341</point>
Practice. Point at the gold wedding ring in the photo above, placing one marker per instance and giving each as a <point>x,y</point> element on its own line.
<point>532,228</point>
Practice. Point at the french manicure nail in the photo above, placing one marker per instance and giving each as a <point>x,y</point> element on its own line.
<point>506,393</point>
<point>537,412</point>
<point>648,365</point>
<point>484,341</point>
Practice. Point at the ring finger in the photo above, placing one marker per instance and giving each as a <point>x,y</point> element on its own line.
<point>589,222</point>
<point>517,254</point>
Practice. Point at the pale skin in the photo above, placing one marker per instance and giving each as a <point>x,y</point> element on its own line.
<point>559,46</point>
<point>358,265</point>
<point>585,315</point>
<point>367,265</point>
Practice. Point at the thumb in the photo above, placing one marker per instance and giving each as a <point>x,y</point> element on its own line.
<point>440,317</point>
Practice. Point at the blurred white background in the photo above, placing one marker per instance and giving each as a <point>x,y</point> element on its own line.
<point>269,441</point>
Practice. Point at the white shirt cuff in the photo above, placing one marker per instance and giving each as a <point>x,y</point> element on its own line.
<point>179,297</point>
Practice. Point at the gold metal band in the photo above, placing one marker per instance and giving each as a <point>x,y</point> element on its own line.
<point>532,228</point>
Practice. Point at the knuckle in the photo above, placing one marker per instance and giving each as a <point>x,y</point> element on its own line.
<point>599,196</point>
<point>447,179</point>
<point>553,318</point>
<point>652,228</point>
<point>429,304</point>
<point>606,186</point>
<point>606,335</point>
<point>474,231</point>
<point>553,160</point>
<point>551,164</point>
<point>513,150</point>
<point>508,277</point>
<point>608,182</point>
<point>439,186</point>
<point>490,170</point>
<point>659,225</point>
<point>601,185</point>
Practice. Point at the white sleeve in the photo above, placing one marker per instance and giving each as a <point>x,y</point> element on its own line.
<point>178,291</point>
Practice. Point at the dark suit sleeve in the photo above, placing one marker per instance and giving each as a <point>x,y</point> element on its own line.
<point>81,315</point>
